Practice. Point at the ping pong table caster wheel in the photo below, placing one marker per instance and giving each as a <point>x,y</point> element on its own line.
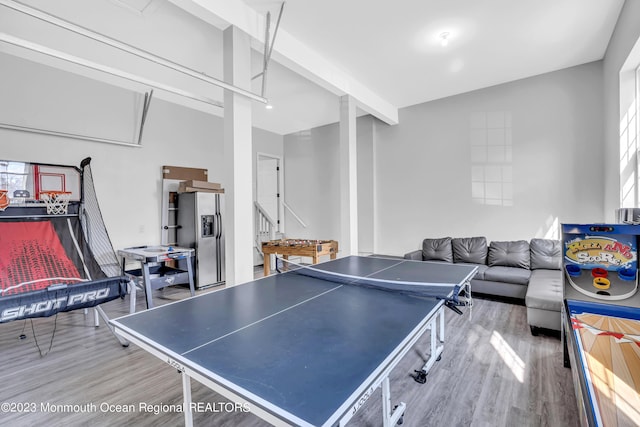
<point>439,358</point>
<point>401,419</point>
<point>420,376</point>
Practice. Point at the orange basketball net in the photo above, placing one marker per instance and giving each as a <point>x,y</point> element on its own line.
<point>56,201</point>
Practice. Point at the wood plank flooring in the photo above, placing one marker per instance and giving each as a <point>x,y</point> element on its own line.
<point>493,373</point>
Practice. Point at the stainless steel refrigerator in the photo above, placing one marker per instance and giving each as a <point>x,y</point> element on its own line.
<point>199,221</point>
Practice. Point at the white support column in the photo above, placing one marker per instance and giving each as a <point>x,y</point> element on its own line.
<point>237,156</point>
<point>348,177</point>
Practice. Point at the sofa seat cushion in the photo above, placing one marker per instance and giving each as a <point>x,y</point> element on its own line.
<point>514,275</point>
<point>437,250</point>
<point>480,272</point>
<point>545,290</point>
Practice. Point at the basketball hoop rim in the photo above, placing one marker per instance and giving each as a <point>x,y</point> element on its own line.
<point>55,201</point>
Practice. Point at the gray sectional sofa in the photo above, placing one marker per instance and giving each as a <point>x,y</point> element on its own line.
<point>530,271</point>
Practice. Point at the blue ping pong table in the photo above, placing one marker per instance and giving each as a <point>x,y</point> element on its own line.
<point>301,350</point>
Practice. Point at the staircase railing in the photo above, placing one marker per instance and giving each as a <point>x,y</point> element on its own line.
<point>300,221</point>
<point>265,227</point>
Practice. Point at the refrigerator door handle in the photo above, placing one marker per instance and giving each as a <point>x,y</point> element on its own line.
<point>218,225</point>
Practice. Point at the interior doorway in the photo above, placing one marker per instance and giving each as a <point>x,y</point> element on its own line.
<point>268,191</point>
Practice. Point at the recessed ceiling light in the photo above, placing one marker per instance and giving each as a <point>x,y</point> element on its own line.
<point>269,107</point>
<point>444,38</point>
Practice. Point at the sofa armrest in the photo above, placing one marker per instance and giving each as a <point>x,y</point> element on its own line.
<point>415,255</point>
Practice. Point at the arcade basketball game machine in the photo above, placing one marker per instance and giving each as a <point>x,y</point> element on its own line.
<point>55,252</point>
<point>601,321</point>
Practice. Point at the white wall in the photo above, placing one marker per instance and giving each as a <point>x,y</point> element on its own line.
<point>312,179</point>
<point>129,180</point>
<point>625,36</point>
<point>414,178</point>
<point>43,97</point>
<point>312,183</point>
<point>163,29</point>
<point>177,132</point>
<point>422,167</point>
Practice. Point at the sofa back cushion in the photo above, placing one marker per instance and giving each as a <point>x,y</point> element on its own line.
<point>546,254</point>
<point>437,250</point>
<point>509,254</point>
<point>470,249</point>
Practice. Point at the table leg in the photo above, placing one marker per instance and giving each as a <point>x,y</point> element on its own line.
<point>131,288</point>
<point>132,295</point>
<point>147,284</point>
<point>190,273</point>
<point>316,259</point>
<point>436,342</point>
<point>267,264</point>
<point>186,393</point>
<point>390,417</point>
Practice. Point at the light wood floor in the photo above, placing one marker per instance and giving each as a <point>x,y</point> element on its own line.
<point>492,373</point>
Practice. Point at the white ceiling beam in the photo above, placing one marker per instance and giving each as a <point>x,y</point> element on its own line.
<point>291,53</point>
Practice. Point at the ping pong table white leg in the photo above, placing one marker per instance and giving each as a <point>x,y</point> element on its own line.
<point>186,392</point>
<point>436,340</point>
<point>190,273</point>
<point>434,334</point>
<point>132,296</point>
<point>390,416</point>
<point>147,284</point>
<point>100,312</point>
<point>441,326</point>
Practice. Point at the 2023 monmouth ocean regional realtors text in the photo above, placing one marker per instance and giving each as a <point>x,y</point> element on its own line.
<point>107,407</point>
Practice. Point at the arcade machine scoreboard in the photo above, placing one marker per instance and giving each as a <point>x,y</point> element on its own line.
<point>601,321</point>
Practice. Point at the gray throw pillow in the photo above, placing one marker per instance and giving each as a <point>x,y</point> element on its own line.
<point>437,249</point>
<point>546,254</point>
<point>509,254</point>
<point>470,249</point>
